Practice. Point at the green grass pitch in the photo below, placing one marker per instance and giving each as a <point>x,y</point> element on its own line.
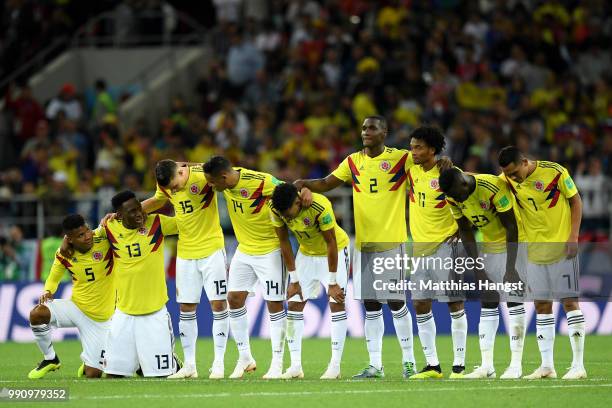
<point>393,391</point>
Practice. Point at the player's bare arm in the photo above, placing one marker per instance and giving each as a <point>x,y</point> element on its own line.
<point>152,204</point>
<point>334,290</point>
<point>509,222</point>
<point>285,245</point>
<point>469,243</point>
<point>319,185</point>
<point>444,163</point>
<point>575,203</point>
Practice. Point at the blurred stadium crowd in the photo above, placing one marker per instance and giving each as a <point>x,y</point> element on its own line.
<point>292,80</point>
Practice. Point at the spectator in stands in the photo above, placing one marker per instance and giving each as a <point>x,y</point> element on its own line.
<point>27,112</point>
<point>594,190</point>
<point>104,103</point>
<point>9,267</point>
<point>67,102</point>
<point>244,60</point>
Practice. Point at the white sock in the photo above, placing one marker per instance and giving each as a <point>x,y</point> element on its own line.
<point>402,320</point>
<point>459,329</point>
<point>239,326</point>
<point>42,334</point>
<point>516,331</point>
<point>427,335</point>
<point>545,330</point>
<point>295,329</point>
<point>576,331</point>
<point>338,336</point>
<point>487,329</point>
<point>374,330</point>
<point>188,331</point>
<point>278,324</point>
<point>220,329</point>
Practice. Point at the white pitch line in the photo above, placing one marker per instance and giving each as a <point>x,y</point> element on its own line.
<point>60,381</point>
<point>314,393</point>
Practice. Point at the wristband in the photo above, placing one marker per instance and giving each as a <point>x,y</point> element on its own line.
<point>332,278</point>
<point>293,276</point>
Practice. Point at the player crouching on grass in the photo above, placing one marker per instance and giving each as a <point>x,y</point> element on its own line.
<point>141,329</point>
<point>484,201</point>
<point>92,303</point>
<point>323,258</point>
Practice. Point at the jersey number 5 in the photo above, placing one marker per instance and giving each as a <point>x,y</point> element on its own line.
<point>90,275</point>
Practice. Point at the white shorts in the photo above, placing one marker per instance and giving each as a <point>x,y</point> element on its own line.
<point>431,269</point>
<point>144,341</point>
<point>269,269</point>
<point>193,274</point>
<point>554,281</point>
<point>495,268</point>
<point>365,277</point>
<point>64,313</point>
<point>313,271</point>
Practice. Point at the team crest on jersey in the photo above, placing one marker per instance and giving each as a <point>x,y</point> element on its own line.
<point>307,222</point>
<point>385,165</point>
<point>244,193</point>
<point>538,185</point>
<point>194,189</point>
<point>434,184</point>
<point>484,205</point>
<point>97,256</point>
<point>142,231</point>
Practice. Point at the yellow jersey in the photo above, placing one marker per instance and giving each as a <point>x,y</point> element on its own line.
<point>249,213</point>
<point>309,223</point>
<point>139,263</point>
<point>197,216</point>
<point>93,289</point>
<point>490,197</point>
<point>379,194</point>
<point>431,220</point>
<point>542,200</point>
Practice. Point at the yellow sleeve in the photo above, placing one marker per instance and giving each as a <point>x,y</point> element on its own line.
<point>168,225</point>
<point>567,185</point>
<point>343,172</point>
<point>327,220</point>
<point>56,274</point>
<point>100,232</point>
<point>455,210</point>
<point>270,183</point>
<point>161,193</point>
<point>502,199</point>
<point>275,219</point>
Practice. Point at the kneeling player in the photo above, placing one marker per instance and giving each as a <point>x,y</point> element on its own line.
<point>92,303</point>
<point>141,329</point>
<point>322,258</point>
<point>485,202</point>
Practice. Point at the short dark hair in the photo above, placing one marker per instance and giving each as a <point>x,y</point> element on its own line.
<point>448,177</point>
<point>121,198</point>
<point>431,135</point>
<point>72,222</point>
<point>509,154</point>
<point>381,119</point>
<point>283,197</point>
<point>100,84</point>
<point>164,171</point>
<point>216,165</point>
